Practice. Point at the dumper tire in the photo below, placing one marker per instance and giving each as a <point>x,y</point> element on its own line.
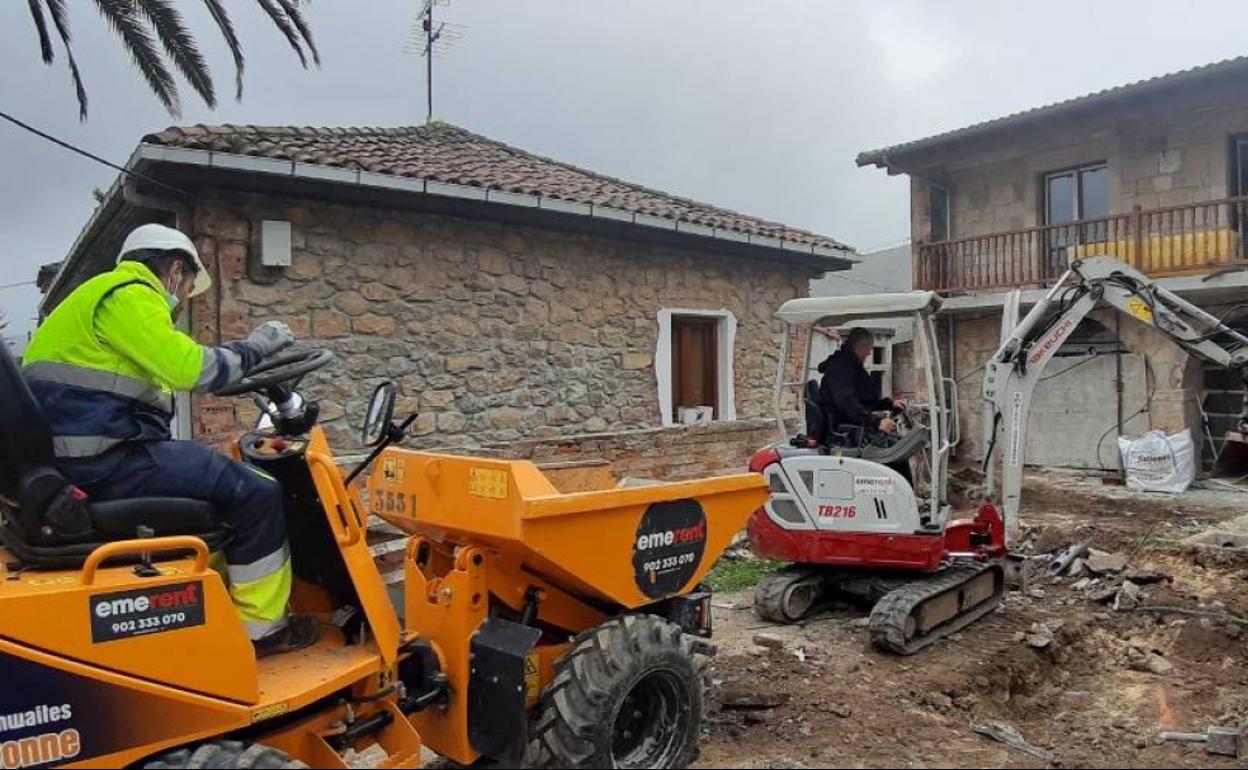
<point>225,755</point>
<point>639,661</point>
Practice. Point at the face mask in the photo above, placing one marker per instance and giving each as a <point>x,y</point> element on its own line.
<point>173,301</point>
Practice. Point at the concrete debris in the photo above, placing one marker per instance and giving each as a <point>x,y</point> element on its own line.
<point>753,700</point>
<point>1145,577</point>
<point>1064,562</point>
<point>1083,584</point>
<point>1148,661</point>
<point>1101,563</point>
<point>1040,636</point>
<point>770,641</point>
<point>1003,733</point>
<point>1104,596</point>
<point>1128,597</point>
<point>1219,741</point>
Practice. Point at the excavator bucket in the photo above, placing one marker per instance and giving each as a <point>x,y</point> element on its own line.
<point>1232,462</point>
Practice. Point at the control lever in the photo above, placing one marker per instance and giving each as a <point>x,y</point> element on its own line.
<point>145,568</point>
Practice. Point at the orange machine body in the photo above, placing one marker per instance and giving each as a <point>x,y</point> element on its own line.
<point>105,667</point>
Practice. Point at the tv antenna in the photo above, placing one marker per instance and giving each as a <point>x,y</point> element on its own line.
<point>431,38</point>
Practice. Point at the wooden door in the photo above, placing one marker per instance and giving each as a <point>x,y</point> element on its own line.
<point>695,363</point>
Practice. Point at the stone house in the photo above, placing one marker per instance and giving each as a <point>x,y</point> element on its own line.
<point>1154,173</point>
<point>525,306</point>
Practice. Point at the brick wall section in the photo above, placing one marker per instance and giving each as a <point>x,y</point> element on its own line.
<point>494,333</point>
<point>658,453</point>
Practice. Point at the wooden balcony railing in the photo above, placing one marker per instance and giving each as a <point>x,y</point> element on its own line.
<point>1178,240</point>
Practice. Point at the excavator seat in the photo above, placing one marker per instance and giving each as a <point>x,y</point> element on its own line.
<point>46,522</point>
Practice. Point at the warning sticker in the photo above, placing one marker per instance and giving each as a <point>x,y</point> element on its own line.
<point>532,680</point>
<point>393,470</point>
<point>1016,431</point>
<point>1140,309</point>
<point>127,614</point>
<point>873,485</point>
<point>489,483</point>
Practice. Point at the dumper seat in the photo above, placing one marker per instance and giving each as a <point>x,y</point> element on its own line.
<point>48,523</point>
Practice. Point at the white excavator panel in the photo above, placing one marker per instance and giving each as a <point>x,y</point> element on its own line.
<point>841,494</point>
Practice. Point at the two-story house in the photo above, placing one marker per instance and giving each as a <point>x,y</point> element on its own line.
<point>1154,173</point>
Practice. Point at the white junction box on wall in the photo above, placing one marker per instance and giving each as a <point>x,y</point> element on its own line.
<point>275,243</point>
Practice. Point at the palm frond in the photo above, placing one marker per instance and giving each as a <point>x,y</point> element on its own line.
<point>278,14</point>
<point>41,24</point>
<point>222,18</point>
<point>180,45</point>
<point>291,7</point>
<point>60,19</point>
<point>123,17</point>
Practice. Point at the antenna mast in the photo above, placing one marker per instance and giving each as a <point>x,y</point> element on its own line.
<point>431,38</point>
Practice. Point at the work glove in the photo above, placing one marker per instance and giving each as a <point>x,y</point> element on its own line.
<point>270,337</point>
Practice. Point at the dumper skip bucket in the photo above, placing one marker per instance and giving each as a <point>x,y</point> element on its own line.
<point>630,546</point>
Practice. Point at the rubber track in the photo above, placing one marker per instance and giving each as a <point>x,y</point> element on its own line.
<point>769,593</point>
<point>888,618</point>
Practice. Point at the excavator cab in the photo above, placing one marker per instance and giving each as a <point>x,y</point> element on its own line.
<point>929,429</point>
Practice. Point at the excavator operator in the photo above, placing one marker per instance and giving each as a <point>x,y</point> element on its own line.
<point>104,366</point>
<point>849,395</point>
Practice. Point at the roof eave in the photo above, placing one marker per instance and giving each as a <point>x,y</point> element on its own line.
<point>817,257</point>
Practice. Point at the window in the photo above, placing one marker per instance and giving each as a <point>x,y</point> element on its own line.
<point>694,364</point>
<point>1070,197</point>
<point>938,212</point>
<point>1077,194</point>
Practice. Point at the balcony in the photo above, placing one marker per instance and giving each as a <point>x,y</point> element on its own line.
<point>1179,240</point>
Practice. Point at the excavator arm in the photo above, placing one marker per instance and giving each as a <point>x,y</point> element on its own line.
<point>1011,376</point>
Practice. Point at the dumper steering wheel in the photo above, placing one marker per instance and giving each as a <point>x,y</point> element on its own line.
<point>284,370</point>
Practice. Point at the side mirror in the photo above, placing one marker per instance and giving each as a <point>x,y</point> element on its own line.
<point>380,413</point>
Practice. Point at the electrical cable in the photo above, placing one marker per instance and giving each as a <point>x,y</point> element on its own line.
<point>1148,405</point>
<point>92,156</point>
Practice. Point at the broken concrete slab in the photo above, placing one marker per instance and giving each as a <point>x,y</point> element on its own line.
<point>1102,563</point>
<point>745,699</point>
<point>1144,577</point>
<point>770,641</point>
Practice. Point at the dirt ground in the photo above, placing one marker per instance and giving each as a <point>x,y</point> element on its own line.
<point>1096,695</point>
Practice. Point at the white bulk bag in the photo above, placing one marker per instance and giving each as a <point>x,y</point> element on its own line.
<point>1156,462</point>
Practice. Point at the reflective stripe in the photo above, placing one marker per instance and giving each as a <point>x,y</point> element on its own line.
<point>261,568</point>
<point>83,446</point>
<point>95,379</point>
<point>258,629</point>
<point>221,367</point>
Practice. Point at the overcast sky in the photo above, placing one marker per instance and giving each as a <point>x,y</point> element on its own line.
<point>759,106</point>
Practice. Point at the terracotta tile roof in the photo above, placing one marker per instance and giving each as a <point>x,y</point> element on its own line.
<point>446,153</point>
<point>883,158</point>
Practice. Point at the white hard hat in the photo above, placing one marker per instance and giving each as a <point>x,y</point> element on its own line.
<point>168,239</point>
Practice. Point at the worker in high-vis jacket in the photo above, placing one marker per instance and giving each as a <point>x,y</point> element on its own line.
<point>104,366</point>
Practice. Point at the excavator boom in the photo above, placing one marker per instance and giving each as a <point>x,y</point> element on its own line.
<point>1011,376</point>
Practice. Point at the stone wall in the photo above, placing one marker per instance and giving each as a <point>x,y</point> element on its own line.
<point>1159,153</point>
<point>494,333</point>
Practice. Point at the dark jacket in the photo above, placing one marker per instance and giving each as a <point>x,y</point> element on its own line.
<point>848,393</point>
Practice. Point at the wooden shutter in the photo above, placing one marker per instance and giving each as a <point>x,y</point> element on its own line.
<point>695,363</point>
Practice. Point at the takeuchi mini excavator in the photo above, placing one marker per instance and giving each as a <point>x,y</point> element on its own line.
<point>532,627</point>
<point>853,524</point>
